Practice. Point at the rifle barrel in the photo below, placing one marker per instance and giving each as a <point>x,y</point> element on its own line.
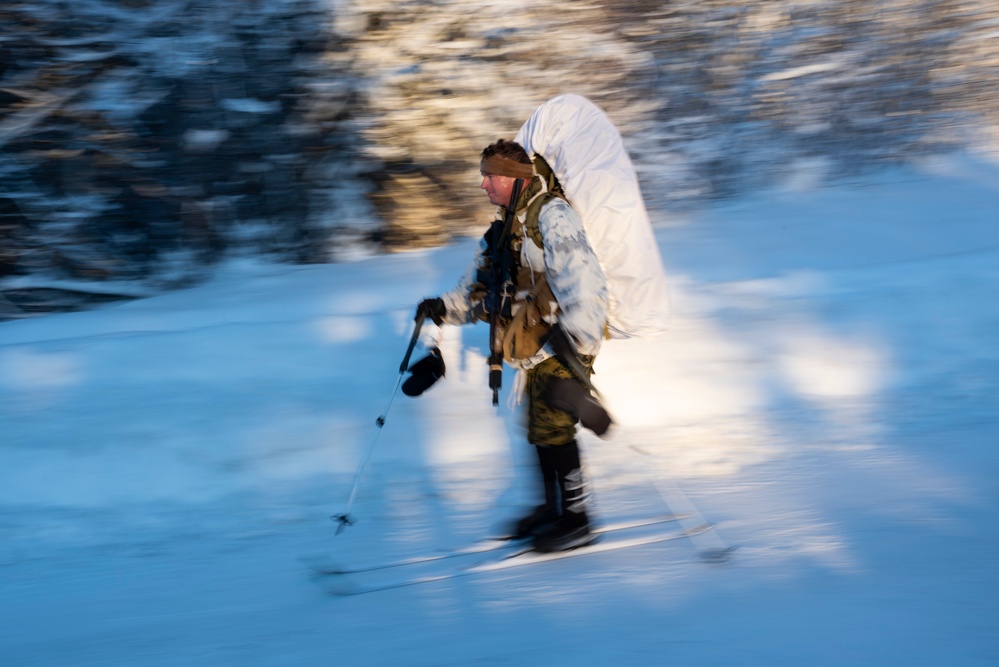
<point>499,278</point>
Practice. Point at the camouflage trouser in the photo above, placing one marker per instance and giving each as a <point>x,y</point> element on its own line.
<point>545,424</point>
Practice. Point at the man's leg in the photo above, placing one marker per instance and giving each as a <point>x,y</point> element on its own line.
<point>556,429</point>
<point>573,529</point>
<point>549,511</point>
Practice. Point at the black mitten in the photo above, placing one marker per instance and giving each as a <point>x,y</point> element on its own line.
<point>572,397</point>
<point>425,373</point>
<point>432,308</point>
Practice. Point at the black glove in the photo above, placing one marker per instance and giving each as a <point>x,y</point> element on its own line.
<point>432,308</point>
<point>425,373</point>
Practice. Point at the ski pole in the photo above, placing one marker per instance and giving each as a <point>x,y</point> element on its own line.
<point>709,545</point>
<point>345,519</point>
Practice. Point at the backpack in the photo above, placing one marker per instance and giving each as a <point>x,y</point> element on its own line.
<point>587,155</point>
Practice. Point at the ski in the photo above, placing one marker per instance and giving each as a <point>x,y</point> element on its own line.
<point>342,586</point>
<point>484,546</point>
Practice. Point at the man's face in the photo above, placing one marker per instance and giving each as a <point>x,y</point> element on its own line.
<point>498,188</point>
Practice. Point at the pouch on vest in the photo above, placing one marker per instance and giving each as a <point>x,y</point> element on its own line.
<point>528,330</point>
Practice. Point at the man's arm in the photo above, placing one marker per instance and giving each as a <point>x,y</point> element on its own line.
<point>460,309</point>
<point>574,276</point>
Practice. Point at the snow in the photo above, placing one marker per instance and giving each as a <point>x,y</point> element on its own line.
<point>826,397</point>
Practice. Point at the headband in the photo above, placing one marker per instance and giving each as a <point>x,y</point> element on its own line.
<point>494,165</point>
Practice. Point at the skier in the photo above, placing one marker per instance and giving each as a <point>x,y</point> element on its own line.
<point>539,284</point>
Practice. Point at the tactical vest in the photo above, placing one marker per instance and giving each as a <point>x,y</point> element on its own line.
<point>528,307</point>
<point>534,306</point>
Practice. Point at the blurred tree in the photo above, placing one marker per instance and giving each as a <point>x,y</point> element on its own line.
<point>144,141</point>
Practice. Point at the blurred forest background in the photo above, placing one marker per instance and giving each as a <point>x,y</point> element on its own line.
<point>142,141</point>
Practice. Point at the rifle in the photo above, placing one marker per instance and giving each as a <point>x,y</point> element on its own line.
<point>499,274</point>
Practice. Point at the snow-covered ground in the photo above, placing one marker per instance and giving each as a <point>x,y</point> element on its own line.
<point>826,397</point>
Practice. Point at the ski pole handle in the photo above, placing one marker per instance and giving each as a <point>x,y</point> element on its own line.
<point>412,342</point>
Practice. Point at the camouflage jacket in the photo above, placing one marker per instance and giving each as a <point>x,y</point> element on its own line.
<point>557,280</point>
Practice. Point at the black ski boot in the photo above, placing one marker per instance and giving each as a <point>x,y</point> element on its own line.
<point>573,529</point>
<point>547,513</point>
<point>537,521</point>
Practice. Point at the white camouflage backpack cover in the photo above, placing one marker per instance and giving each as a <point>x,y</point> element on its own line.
<point>585,150</point>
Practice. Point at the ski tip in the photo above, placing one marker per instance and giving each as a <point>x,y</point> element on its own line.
<point>717,556</point>
<point>320,564</point>
<point>339,586</point>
